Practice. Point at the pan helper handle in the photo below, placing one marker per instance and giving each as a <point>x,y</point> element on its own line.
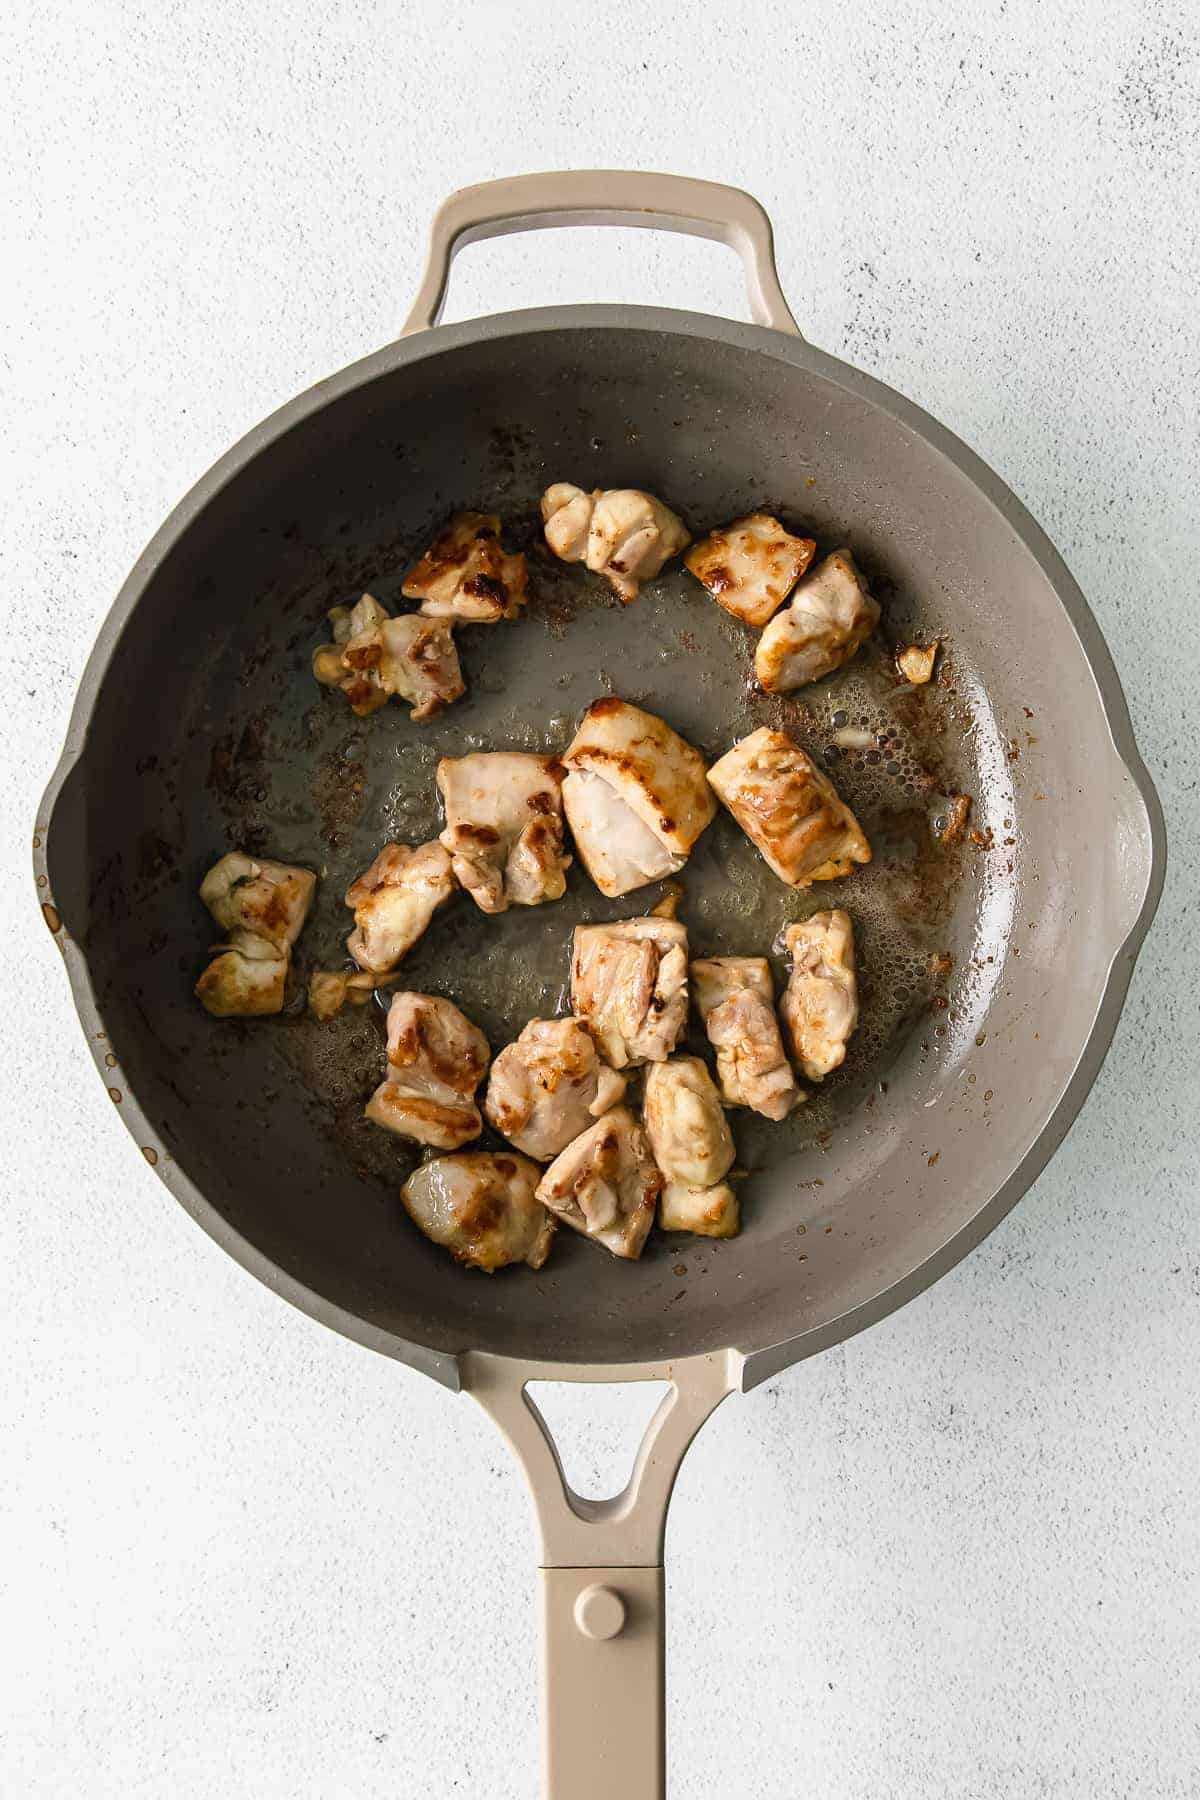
<point>603,1628</point>
<point>605,197</point>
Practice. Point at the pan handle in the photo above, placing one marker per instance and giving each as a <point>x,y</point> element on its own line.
<point>605,197</point>
<point>603,1626</point>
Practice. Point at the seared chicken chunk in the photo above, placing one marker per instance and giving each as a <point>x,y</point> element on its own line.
<point>606,1183</point>
<point>820,1004</point>
<point>466,573</point>
<point>268,899</point>
<point>329,990</point>
<point>504,827</point>
<point>436,1060</point>
<point>549,1086</point>
<point>789,809</point>
<point>635,796</point>
<point>481,1208</point>
<point>629,986</point>
<point>246,979</point>
<point>374,656</point>
<point>262,905</point>
<point>751,566</point>
<point>736,1000</point>
<point>394,900</point>
<point>620,533</point>
<point>828,617</point>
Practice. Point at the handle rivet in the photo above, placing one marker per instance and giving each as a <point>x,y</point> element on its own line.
<point>600,1612</point>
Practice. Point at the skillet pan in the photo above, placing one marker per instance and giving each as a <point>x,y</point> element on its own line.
<point>197,727</point>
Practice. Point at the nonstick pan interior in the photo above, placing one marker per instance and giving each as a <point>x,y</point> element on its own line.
<point>209,732</point>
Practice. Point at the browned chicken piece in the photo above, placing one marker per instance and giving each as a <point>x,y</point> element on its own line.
<point>394,900</point>
<point>262,905</point>
<point>620,533</point>
<point>606,1184</point>
<point>635,796</point>
<point>629,986</point>
<point>504,827</point>
<point>436,1060</point>
<point>829,615</point>
<point>466,574</point>
<point>548,1086</point>
<point>374,657</point>
<point>915,662</point>
<point>271,900</point>
<point>735,997</point>
<point>751,566</point>
<point>820,1004</point>
<point>789,809</point>
<point>692,1146</point>
<point>329,990</point>
<point>481,1208</point>
<point>247,979</point>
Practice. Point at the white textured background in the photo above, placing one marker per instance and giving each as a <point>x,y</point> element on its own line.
<point>957,1557</point>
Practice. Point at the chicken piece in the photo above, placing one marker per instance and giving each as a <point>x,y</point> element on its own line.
<point>820,1004</point>
<point>915,662</point>
<point>504,827</point>
<point>736,1000</point>
<point>269,900</point>
<point>751,566</point>
<point>374,656</point>
<point>436,1060</point>
<point>789,809</point>
<point>549,1086</point>
<point>705,1212</point>
<point>329,990</point>
<point>635,796</point>
<point>466,573</point>
<point>629,986</point>
<point>828,617</point>
<point>394,900</point>
<point>247,979</point>
<point>481,1208</point>
<point>687,1129</point>
<point>606,1184</point>
<point>620,533</point>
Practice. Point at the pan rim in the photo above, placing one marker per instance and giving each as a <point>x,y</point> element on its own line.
<point>759,1364</point>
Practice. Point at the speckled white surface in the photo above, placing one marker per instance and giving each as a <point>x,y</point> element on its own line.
<point>957,1557</point>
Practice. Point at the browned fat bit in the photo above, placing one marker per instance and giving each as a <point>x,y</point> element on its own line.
<point>950,828</point>
<point>915,662</point>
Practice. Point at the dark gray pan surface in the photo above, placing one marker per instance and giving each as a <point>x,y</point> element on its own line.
<point>208,731</point>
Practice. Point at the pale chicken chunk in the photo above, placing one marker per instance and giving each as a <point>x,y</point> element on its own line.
<point>620,533</point>
<point>394,900</point>
<point>374,657</point>
<point>606,1183</point>
<point>789,809</point>
<point>436,1060</point>
<point>271,900</point>
<point>481,1208</point>
<point>636,796</point>
<point>820,1004</point>
<point>735,997</point>
<point>693,1148</point>
<point>466,573</point>
<point>629,985</point>
<point>828,617</point>
<point>504,827</point>
<point>548,1086</point>
<point>751,566</point>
